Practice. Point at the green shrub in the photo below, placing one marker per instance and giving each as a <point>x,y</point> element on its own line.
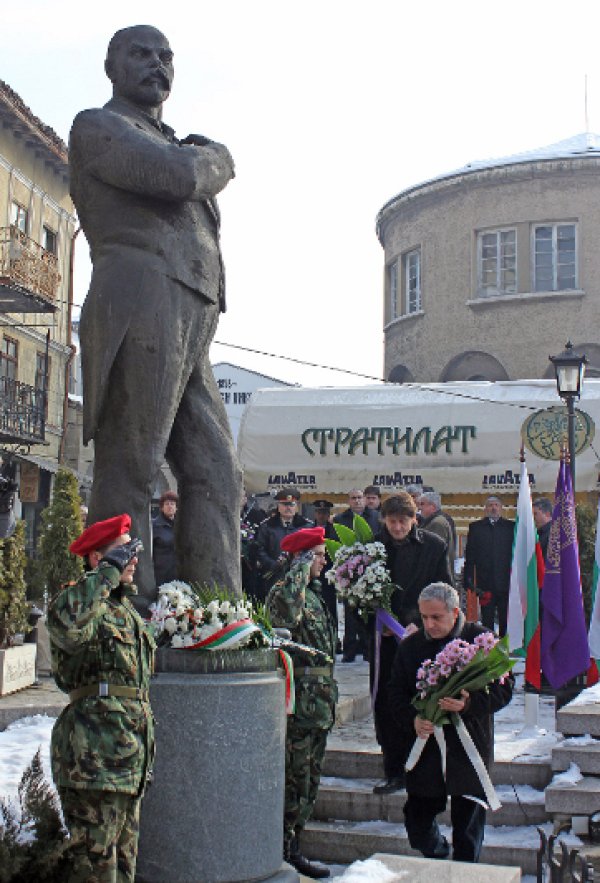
<point>32,836</point>
<point>14,609</point>
<point>61,524</point>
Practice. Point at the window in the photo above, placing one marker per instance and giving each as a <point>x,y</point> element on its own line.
<point>412,275</point>
<point>8,358</point>
<point>49,240</point>
<point>42,382</point>
<point>18,217</point>
<point>496,263</point>
<point>555,257</point>
<point>393,284</point>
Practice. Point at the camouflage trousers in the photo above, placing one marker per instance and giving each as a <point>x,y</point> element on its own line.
<point>304,752</point>
<point>104,829</point>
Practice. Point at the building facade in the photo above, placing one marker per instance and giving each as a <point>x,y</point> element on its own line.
<point>490,269</point>
<point>37,231</point>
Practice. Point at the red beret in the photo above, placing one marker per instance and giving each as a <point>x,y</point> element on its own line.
<point>100,534</point>
<point>302,540</point>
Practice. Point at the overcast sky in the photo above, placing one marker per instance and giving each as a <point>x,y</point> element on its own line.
<point>330,108</point>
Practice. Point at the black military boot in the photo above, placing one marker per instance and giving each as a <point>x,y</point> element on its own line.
<point>304,866</point>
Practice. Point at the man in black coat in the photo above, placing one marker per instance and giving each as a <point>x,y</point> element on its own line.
<point>415,558</point>
<point>488,557</point>
<point>542,516</point>
<point>355,637</point>
<point>427,786</point>
<point>163,539</point>
<point>270,560</point>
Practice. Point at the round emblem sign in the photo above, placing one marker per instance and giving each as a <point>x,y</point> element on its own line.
<point>546,431</point>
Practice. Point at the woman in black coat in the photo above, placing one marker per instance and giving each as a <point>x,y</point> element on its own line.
<point>415,558</point>
<point>426,785</point>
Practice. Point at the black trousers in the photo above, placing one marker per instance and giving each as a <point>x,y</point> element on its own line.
<point>488,613</point>
<point>468,824</point>
<point>355,633</point>
<point>391,738</point>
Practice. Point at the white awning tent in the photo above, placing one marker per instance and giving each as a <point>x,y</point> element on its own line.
<point>456,437</point>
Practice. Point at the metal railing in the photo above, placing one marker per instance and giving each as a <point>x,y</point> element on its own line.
<point>26,264</point>
<point>22,411</point>
<point>556,863</point>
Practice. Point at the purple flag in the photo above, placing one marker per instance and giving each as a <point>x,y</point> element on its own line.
<point>565,650</point>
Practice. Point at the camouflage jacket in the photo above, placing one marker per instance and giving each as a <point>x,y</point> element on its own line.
<point>297,603</point>
<point>106,744</point>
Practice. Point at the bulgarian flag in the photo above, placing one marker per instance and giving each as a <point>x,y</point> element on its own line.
<point>526,576</point>
<point>594,634</point>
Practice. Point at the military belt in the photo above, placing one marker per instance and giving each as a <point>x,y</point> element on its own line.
<point>323,670</point>
<point>103,690</point>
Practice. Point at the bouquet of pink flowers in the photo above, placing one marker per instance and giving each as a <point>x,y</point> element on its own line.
<point>460,666</point>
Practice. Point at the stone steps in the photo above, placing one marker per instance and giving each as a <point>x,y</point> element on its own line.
<point>585,754</point>
<point>579,719</point>
<point>351,823</point>
<point>353,800</point>
<point>345,842</point>
<point>579,799</point>
<point>348,763</point>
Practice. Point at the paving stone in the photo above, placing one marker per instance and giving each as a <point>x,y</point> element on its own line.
<point>423,870</point>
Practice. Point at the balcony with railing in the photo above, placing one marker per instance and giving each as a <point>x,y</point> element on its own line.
<point>29,276</point>
<point>22,413</point>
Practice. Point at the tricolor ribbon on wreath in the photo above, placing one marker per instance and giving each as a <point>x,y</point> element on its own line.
<point>238,633</point>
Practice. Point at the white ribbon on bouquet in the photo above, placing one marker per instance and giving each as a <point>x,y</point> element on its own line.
<point>471,751</point>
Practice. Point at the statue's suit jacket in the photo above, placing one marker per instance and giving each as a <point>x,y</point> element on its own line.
<point>146,205</point>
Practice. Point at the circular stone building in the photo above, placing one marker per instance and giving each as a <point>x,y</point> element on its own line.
<point>490,269</point>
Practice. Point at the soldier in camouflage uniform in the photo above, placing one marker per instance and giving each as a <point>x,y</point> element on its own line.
<point>103,742</point>
<point>297,604</point>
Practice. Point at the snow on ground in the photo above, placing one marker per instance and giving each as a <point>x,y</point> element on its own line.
<point>513,741</point>
<point>18,745</point>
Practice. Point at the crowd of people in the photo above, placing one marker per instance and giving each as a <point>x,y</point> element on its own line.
<point>101,775</point>
<point>422,552</point>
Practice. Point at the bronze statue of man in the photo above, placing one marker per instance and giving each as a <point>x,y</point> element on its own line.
<point>146,202</point>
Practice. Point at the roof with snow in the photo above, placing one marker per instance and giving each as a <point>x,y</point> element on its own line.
<point>578,146</point>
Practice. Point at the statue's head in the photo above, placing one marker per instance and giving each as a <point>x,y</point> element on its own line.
<point>139,64</point>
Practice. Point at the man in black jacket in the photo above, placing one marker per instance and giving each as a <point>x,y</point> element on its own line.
<point>270,560</point>
<point>488,557</point>
<point>415,558</point>
<point>427,786</point>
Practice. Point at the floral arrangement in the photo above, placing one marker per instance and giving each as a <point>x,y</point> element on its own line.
<point>359,572</point>
<point>201,618</point>
<point>460,666</point>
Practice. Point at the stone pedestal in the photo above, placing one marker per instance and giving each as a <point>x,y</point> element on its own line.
<point>17,668</point>
<point>214,813</point>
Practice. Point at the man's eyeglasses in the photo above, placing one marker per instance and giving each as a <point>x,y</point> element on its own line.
<point>285,503</point>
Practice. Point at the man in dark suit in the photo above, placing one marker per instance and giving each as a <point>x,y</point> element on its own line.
<point>147,206</point>
<point>488,557</point>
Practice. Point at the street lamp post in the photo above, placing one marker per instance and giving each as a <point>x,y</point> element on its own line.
<point>569,369</point>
